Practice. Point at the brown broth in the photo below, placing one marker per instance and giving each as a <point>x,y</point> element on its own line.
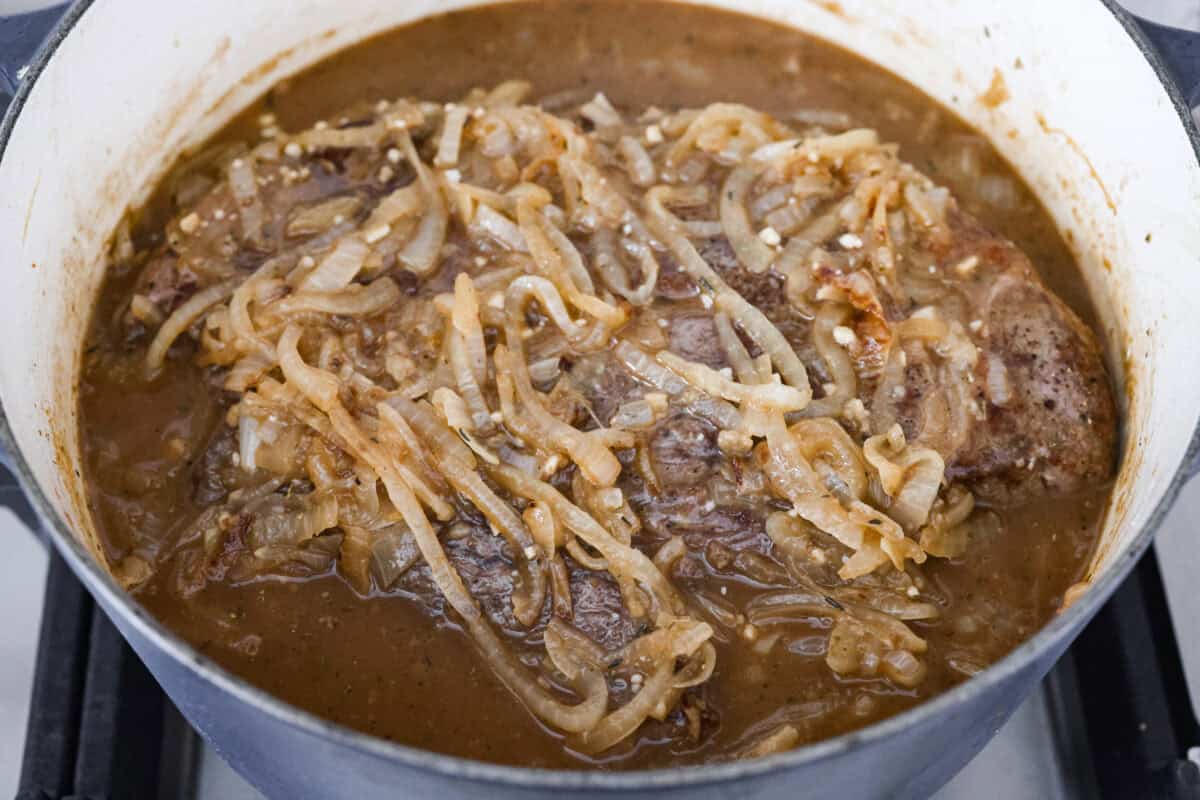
<point>382,666</point>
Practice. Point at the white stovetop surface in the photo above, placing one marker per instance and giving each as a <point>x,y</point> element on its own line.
<point>1019,763</point>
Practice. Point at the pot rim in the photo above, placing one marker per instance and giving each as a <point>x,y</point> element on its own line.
<point>101,583</point>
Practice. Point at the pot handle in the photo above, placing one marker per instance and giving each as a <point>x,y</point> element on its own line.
<point>21,35</point>
<point>1180,51</point>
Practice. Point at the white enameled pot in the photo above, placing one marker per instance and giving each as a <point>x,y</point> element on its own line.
<point>1090,121</point>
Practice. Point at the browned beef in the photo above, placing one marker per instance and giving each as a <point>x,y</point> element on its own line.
<point>767,291</point>
<point>698,498</point>
<point>211,471</point>
<point>598,610</point>
<point>604,383</point>
<point>1056,429</point>
<point>694,336</point>
<point>487,570</point>
<point>1045,422</point>
<point>1054,433</point>
<point>166,283</point>
<point>684,450</point>
<point>673,283</point>
<point>486,567</point>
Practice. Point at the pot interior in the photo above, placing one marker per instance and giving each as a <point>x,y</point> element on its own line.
<point>90,142</point>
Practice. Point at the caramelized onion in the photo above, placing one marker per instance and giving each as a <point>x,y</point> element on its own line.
<point>910,475</point>
<point>870,533</point>
<point>754,254</point>
<point>353,301</point>
<point>182,318</point>
<point>783,738</point>
<point>756,325</point>
<point>589,450</point>
<point>244,186</point>
<point>421,253</point>
<point>452,133</point>
<point>509,398</point>
<point>339,268</point>
<point>499,228</point>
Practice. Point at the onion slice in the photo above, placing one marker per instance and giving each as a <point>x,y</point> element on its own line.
<point>421,253</point>
<point>751,250</point>
<point>182,318</point>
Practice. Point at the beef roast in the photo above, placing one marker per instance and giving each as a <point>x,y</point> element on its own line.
<point>1044,422</point>
<point>1053,431</point>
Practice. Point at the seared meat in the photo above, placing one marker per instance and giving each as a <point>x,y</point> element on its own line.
<point>166,283</point>
<point>700,498</point>
<point>487,569</point>
<point>599,612</point>
<point>694,336</point>
<point>673,282</point>
<point>210,474</point>
<point>1045,421</point>
<point>1054,431</point>
<point>684,450</point>
<point>766,291</point>
<point>604,383</point>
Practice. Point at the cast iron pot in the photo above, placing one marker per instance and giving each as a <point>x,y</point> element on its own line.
<point>1092,121</point>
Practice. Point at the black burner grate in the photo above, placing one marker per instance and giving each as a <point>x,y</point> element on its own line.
<point>1123,715</point>
<point>99,725</point>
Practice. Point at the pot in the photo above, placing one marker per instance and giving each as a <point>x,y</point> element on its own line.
<point>1091,121</point>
